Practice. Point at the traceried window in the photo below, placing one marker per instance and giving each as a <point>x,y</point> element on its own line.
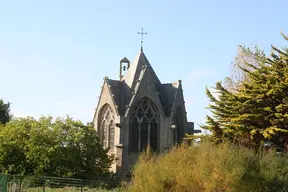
<point>144,126</point>
<point>111,133</point>
<point>178,131</point>
<point>107,126</point>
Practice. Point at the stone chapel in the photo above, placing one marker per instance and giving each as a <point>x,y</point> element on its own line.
<point>138,110</point>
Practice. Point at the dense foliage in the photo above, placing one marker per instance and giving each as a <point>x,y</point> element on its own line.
<point>64,148</point>
<point>256,110</point>
<point>208,167</point>
<point>5,115</point>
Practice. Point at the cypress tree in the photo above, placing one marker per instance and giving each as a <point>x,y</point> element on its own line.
<point>257,110</point>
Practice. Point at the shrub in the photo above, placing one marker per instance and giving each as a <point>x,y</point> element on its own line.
<point>56,148</point>
<point>208,167</point>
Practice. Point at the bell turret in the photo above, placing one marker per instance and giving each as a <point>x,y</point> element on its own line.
<point>124,66</point>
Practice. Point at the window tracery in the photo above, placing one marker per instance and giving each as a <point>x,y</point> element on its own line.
<point>144,126</point>
<point>107,126</point>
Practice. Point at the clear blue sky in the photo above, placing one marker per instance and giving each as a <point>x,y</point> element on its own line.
<point>54,54</point>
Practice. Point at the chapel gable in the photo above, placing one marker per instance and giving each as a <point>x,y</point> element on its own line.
<point>137,111</point>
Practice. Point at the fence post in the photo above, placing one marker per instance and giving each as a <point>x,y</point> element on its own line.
<point>81,185</point>
<point>44,184</point>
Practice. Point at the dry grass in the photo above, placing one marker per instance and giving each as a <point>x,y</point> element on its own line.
<point>210,168</point>
<point>68,189</point>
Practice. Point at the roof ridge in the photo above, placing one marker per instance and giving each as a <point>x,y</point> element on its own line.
<point>132,75</point>
<point>135,91</point>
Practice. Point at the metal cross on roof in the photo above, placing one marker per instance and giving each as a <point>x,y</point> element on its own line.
<point>142,34</point>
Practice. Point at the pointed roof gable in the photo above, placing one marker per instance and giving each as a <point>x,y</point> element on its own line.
<point>124,60</point>
<point>123,91</point>
<point>111,85</point>
<point>133,73</point>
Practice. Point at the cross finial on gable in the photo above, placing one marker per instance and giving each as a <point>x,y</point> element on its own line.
<point>142,34</point>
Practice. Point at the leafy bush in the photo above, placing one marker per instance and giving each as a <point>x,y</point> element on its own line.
<point>58,148</point>
<point>208,167</point>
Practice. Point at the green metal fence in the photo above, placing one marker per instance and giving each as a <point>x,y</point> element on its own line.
<point>3,183</point>
<point>13,183</point>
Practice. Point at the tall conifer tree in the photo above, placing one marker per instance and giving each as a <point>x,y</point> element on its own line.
<point>257,110</point>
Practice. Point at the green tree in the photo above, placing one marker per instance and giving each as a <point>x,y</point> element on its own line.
<point>61,147</point>
<point>5,115</point>
<point>257,110</point>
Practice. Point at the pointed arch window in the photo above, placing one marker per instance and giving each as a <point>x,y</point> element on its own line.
<point>111,133</point>
<point>107,126</point>
<point>144,126</point>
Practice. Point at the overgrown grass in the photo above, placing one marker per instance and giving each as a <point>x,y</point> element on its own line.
<point>68,189</point>
<point>208,168</point>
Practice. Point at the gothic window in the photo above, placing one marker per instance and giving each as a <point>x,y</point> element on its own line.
<point>179,129</point>
<point>144,126</point>
<point>111,134</point>
<point>105,133</point>
<point>107,126</point>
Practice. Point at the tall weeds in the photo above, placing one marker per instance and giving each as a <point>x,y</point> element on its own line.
<point>208,168</point>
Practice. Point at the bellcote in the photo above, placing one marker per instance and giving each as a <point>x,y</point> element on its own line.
<point>124,66</point>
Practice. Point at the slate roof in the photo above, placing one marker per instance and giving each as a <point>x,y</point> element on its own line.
<point>133,73</point>
<point>116,88</point>
<point>167,95</point>
<point>125,60</point>
<point>122,89</point>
